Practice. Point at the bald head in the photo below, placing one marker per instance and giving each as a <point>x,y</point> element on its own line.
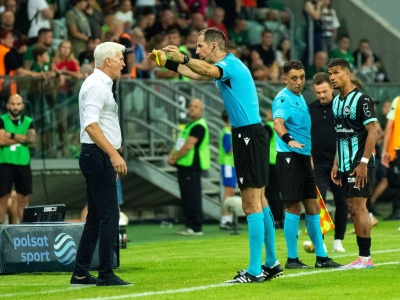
<point>196,108</point>
<point>15,105</point>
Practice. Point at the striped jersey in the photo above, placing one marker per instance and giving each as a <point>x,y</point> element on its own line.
<point>351,114</point>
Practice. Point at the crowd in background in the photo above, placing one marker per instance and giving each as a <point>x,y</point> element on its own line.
<point>53,41</point>
<point>144,25</point>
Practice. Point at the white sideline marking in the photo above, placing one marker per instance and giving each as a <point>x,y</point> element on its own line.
<point>198,288</point>
<point>185,290</point>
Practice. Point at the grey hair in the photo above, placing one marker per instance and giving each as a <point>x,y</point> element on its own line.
<point>106,50</point>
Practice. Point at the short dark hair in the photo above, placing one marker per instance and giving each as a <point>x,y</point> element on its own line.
<point>224,116</point>
<point>292,64</point>
<point>320,78</point>
<point>37,51</point>
<point>213,34</point>
<point>339,62</point>
<point>43,30</point>
<point>344,36</point>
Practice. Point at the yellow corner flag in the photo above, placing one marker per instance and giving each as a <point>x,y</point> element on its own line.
<point>325,219</point>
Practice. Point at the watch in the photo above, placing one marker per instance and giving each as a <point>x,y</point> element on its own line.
<point>186,59</point>
<point>12,136</point>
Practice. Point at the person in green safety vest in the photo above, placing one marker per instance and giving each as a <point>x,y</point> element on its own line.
<point>191,155</point>
<point>228,171</point>
<point>17,134</point>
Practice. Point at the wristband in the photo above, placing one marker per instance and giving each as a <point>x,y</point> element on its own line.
<point>364,160</point>
<point>287,138</point>
<point>172,65</point>
<point>12,136</point>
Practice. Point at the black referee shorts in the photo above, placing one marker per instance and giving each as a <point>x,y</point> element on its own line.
<point>20,176</point>
<point>295,177</point>
<point>251,155</point>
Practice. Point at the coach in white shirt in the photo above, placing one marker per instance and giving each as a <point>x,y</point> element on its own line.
<point>100,163</point>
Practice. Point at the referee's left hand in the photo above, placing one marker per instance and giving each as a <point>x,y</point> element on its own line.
<point>295,144</point>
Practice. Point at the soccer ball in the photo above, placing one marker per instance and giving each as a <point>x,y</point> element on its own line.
<point>308,247</point>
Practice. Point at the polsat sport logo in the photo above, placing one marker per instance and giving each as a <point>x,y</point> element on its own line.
<point>36,248</point>
<point>65,249</point>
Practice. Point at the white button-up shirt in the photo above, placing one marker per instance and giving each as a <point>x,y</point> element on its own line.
<point>97,105</point>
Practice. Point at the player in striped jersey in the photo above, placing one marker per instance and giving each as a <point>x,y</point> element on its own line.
<point>356,135</point>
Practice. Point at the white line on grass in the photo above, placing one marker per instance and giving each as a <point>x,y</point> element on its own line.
<point>42,292</point>
<point>204,287</point>
<point>185,290</point>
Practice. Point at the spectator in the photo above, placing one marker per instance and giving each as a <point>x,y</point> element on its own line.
<point>283,51</point>
<point>17,134</point>
<point>265,49</point>
<point>65,64</point>
<point>87,56</point>
<point>146,20</point>
<point>125,15</point>
<point>95,17</point>
<point>231,8</point>
<point>167,20</point>
<point>45,39</point>
<point>41,95</point>
<point>110,6</point>
<point>7,22</point>
<point>10,64</point>
<point>330,24</point>
<point>139,52</point>
<point>239,35</point>
<point>375,62</point>
<point>197,21</point>
<point>367,70</point>
<point>320,65</point>
<point>173,38</point>
<point>12,6</point>
<point>78,26</point>
<point>188,7</point>
<point>191,155</point>
<point>273,11</point>
<point>40,15</point>
<point>312,12</point>
<point>342,51</point>
<point>145,7</point>
<point>217,20</point>
<point>191,42</point>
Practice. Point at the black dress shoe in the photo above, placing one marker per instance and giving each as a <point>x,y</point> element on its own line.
<point>112,281</point>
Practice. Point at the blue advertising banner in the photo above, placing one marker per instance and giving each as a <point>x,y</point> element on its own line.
<point>42,248</point>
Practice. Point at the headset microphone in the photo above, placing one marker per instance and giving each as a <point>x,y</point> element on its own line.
<point>209,53</point>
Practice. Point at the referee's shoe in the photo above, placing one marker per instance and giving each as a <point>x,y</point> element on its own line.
<point>275,271</point>
<point>244,277</point>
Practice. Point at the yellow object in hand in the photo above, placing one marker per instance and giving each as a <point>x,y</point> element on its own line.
<point>157,59</point>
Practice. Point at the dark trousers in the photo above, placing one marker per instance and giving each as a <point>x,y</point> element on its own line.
<point>322,174</point>
<point>273,195</point>
<point>190,187</point>
<point>103,214</point>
